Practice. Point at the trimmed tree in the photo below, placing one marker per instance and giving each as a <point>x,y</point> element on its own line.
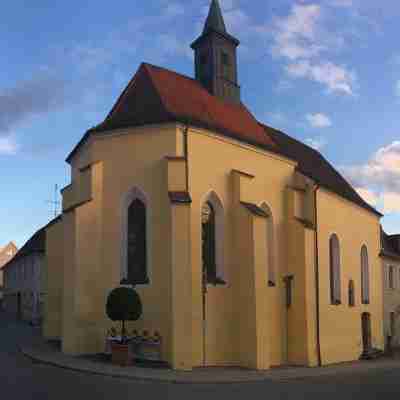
<point>123,304</point>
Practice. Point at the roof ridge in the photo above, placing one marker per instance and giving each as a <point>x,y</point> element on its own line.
<point>172,71</point>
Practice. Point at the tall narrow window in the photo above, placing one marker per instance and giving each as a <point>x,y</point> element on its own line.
<point>391,277</point>
<point>208,242</point>
<point>136,243</point>
<point>212,237</point>
<point>364,276</point>
<point>334,268</point>
<point>352,301</point>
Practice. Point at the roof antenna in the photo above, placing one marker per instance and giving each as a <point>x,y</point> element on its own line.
<point>55,202</point>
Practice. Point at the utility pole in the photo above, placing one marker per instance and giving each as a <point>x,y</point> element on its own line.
<point>55,202</point>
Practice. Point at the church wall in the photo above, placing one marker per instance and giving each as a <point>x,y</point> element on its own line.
<point>211,161</point>
<point>340,325</point>
<point>133,160</point>
<point>52,280</point>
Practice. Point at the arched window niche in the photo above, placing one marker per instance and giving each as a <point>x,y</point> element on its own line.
<point>334,270</point>
<point>364,276</point>
<point>213,239</point>
<point>135,254</point>
<point>271,261</point>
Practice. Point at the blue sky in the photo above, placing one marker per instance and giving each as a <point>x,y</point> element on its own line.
<point>326,72</point>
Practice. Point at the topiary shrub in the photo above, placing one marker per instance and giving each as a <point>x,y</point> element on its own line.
<point>123,304</point>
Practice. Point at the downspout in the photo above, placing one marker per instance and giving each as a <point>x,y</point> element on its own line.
<point>317,278</point>
<point>186,153</point>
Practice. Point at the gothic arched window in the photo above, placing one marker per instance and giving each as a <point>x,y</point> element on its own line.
<point>212,237</point>
<point>352,299</point>
<point>208,242</point>
<point>136,243</point>
<point>364,276</point>
<point>334,269</point>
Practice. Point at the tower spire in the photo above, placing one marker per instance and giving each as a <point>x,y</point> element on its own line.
<point>215,20</point>
<point>216,57</point>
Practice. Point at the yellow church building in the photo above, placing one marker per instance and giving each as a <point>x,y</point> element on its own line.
<point>246,246</point>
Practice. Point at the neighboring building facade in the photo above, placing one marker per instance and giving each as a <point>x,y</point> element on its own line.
<point>6,254</point>
<point>246,246</point>
<point>391,279</point>
<point>22,279</point>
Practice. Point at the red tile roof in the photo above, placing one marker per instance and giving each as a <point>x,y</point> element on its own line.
<point>157,95</point>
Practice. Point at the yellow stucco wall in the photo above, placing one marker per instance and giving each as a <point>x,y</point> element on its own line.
<point>247,321</point>
<point>213,173</point>
<point>52,280</point>
<point>340,325</point>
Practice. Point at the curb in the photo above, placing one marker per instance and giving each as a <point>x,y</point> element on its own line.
<point>266,377</point>
<point>123,375</point>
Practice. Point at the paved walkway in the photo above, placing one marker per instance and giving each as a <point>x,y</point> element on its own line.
<point>41,351</point>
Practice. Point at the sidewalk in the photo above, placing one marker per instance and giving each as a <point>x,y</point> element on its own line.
<point>40,351</point>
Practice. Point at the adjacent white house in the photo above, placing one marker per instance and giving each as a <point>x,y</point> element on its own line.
<point>391,280</point>
<point>22,279</point>
<point>6,254</point>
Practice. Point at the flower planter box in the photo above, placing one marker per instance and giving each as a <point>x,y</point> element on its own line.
<point>139,347</point>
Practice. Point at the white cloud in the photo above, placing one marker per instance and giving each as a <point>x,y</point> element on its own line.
<point>301,39</point>
<point>335,77</point>
<point>319,120</point>
<point>316,143</point>
<point>295,35</point>
<point>381,174</point>
<point>391,202</point>
<point>368,195</point>
<point>8,145</point>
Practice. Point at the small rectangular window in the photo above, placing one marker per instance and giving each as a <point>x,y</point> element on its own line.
<point>225,59</point>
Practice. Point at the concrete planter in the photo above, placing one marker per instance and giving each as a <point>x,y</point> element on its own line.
<point>121,354</point>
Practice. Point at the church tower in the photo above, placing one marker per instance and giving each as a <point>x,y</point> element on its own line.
<point>216,57</point>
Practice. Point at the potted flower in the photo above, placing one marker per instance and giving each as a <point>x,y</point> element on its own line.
<point>123,304</point>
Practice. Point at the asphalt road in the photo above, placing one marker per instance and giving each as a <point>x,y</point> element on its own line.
<point>22,379</point>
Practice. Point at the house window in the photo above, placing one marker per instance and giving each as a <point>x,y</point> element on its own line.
<point>364,276</point>
<point>334,268</point>
<point>351,294</point>
<point>391,277</point>
<point>212,237</point>
<point>136,243</point>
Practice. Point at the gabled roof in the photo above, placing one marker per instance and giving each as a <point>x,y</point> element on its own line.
<point>4,250</point>
<point>312,164</point>
<point>157,95</point>
<point>36,244</point>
